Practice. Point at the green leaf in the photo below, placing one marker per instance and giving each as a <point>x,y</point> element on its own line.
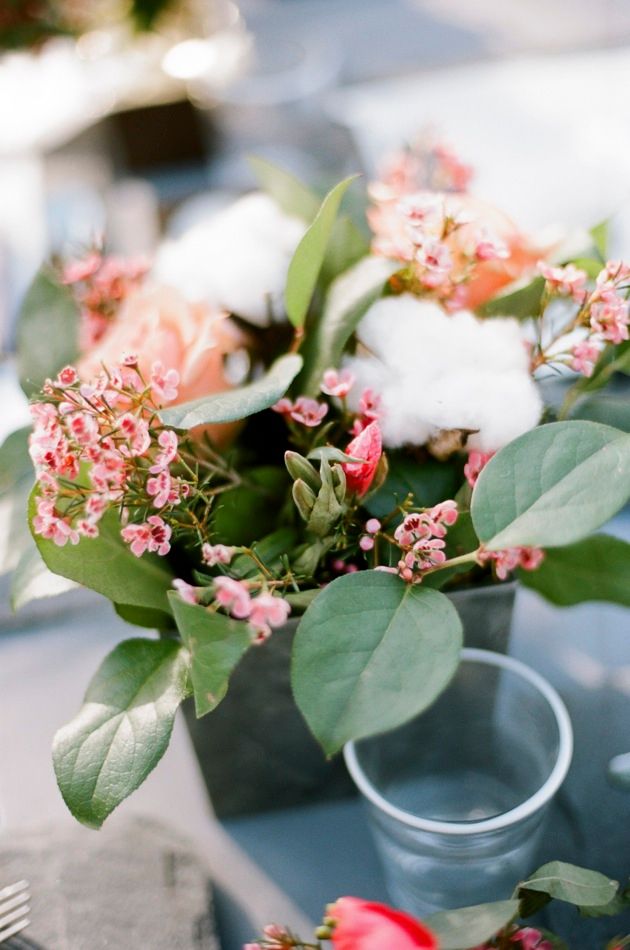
<point>144,617</point>
<point>522,303</point>
<point>106,565</point>
<point>289,193</point>
<point>238,403</point>
<point>347,301</point>
<point>429,482</point>
<point>471,926</point>
<point>575,885</point>
<point>597,568</point>
<point>15,462</point>
<point>619,903</point>
<point>609,409</point>
<point>588,264</point>
<point>346,246</point>
<point>32,580</point>
<point>47,331</point>
<point>599,233</point>
<point>552,486</point>
<point>123,728</point>
<point>309,256</point>
<point>216,644</point>
<point>370,653</point>
<point>300,600</point>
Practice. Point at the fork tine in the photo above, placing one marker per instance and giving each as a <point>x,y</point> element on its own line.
<point>17,901</point>
<point>14,929</point>
<point>14,915</point>
<point>13,889</point>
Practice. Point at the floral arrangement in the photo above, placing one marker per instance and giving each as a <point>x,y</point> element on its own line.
<point>351,923</point>
<point>285,419</point>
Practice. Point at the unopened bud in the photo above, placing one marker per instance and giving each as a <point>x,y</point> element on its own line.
<point>323,933</point>
<point>339,482</point>
<point>304,498</point>
<point>300,468</point>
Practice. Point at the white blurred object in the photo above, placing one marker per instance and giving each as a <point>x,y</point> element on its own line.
<point>549,136</point>
<point>133,225</point>
<point>237,259</point>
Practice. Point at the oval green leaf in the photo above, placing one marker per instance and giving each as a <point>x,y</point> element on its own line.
<point>573,884</point>
<point>123,728</point>
<point>309,256</point>
<point>32,580</point>
<point>238,403</point>
<point>597,568</point>
<point>552,486</point>
<point>370,653</point>
<point>471,926</point>
<point>47,331</point>
<point>106,565</point>
<point>216,644</point>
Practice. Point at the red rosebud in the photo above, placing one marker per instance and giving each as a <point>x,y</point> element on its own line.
<point>369,447</point>
<point>364,925</point>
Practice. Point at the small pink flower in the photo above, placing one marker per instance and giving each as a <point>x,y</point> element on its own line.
<point>186,591</point>
<point>154,535</point>
<point>491,248</point>
<point>609,316</point>
<point>445,512</point>
<point>160,488</point>
<point>473,467</point>
<point>509,559</point>
<point>529,938</point>
<point>167,440</point>
<point>367,446</point>
<point>436,257</point>
<point>136,433</point>
<point>83,426</point>
<point>570,281</point>
<point>87,528</point>
<point>370,405</point>
<point>267,612</point>
<point>76,271</point>
<point>308,412</point>
<point>337,383</point>
<point>68,376</point>
<point>164,383</point>
<point>213,554</point>
<point>233,596</point>
<point>585,355</point>
<point>366,543</point>
<point>372,526</point>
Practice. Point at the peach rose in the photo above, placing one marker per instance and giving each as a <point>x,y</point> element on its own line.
<point>157,324</point>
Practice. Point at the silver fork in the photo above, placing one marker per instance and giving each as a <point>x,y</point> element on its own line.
<point>14,909</point>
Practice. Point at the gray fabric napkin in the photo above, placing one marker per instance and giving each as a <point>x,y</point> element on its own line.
<point>136,886</point>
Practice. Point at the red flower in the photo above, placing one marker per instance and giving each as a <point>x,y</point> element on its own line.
<point>364,925</point>
<point>367,446</point>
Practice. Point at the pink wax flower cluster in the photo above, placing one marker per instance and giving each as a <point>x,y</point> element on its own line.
<point>421,540</point>
<point>602,314</point>
<point>304,411</point>
<point>423,165</point>
<point>452,246</point>
<point>477,461</point>
<point>100,285</point>
<point>521,938</point>
<point>100,445</point>
<point>507,560</point>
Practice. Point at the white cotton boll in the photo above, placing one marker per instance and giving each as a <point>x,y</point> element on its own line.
<point>237,260</point>
<point>438,371</point>
<point>347,290</point>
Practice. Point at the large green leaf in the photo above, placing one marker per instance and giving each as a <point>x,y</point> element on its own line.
<point>123,728</point>
<point>609,409</point>
<point>553,485</point>
<point>16,479</point>
<point>471,926</point>
<point>106,565</point>
<point>429,482</point>
<point>238,403</point>
<point>575,885</point>
<point>32,580</point>
<point>597,568</point>
<point>145,617</point>
<point>309,256</point>
<point>47,331</point>
<point>348,300</point>
<point>216,644</point>
<point>370,653</point>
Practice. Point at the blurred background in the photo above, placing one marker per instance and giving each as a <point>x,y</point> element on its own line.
<point>133,120</point>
